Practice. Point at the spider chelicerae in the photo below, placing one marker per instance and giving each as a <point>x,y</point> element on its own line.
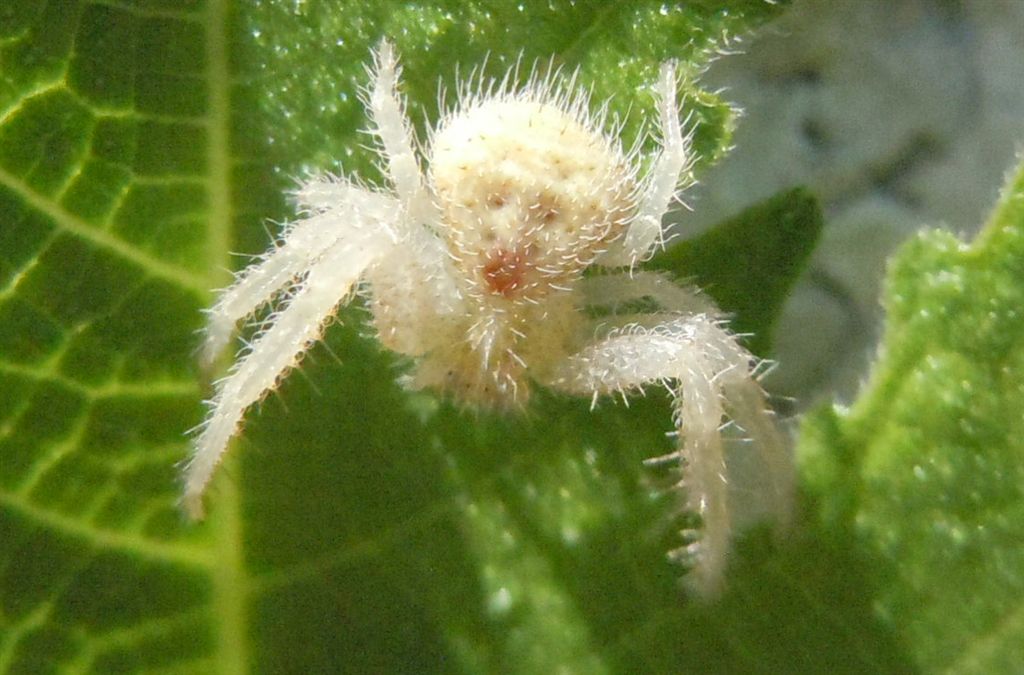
<point>475,269</point>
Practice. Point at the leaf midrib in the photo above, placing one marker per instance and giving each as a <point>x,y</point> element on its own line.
<point>229,575</point>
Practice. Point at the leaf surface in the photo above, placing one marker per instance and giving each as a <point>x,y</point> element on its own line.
<point>926,470</point>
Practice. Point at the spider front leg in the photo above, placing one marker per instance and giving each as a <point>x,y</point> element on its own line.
<point>711,376</point>
<point>398,143</point>
<point>662,183</point>
<point>335,206</point>
<point>292,330</point>
<point>613,290</point>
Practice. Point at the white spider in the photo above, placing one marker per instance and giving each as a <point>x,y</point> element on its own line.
<point>476,271</point>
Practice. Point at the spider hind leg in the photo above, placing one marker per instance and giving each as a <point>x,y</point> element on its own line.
<point>714,380</point>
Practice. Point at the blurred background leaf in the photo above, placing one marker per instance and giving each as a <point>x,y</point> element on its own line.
<point>926,470</point>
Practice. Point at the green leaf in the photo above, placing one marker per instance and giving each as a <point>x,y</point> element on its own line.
<point>926,470</point>
<point>357,528</point>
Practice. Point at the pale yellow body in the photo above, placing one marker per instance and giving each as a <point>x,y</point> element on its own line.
<point>475,269</point>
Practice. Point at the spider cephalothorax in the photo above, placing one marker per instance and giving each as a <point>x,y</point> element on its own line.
<point>475,271</point>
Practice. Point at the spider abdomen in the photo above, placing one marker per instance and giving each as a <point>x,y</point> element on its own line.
<point>530,191</point>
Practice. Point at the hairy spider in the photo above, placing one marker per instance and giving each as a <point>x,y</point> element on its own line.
<point>475,270</point>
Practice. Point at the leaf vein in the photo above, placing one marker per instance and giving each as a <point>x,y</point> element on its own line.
<point>104,539</point>
<point>71,224</point>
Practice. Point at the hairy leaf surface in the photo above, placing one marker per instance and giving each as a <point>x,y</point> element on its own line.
<point>926,471</point>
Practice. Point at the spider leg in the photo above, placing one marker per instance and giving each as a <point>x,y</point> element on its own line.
<point>612,290</point>
<point>391,126</point>
<point>338,205</point>
<point>712,376</point>
<point>645,230</point>
<point>418,287</point>
<point>278,349</point>
<point>774,463</point>
<point>325,192</point>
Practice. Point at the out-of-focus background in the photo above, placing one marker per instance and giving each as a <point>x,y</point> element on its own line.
<point>899,115</point>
